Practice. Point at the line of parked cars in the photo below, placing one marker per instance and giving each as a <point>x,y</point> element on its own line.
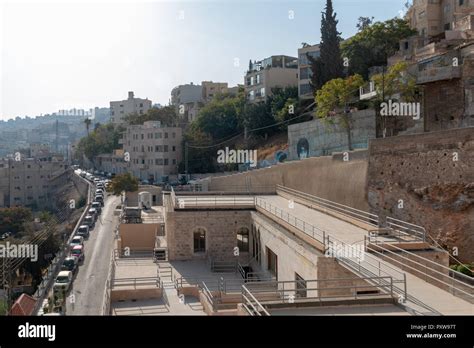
<point>76,255</point>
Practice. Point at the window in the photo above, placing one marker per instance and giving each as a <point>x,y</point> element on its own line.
<point>305,89</point>
<point>173,135</point>
<point>174,148</point>
<point>199,237</point>
<point>159,161</point>
<point>300,286</point>
<point>174,161</point>
<point>243,239</point>
<point>166,162</point>
<point>166,148</point>
<point>305,73</point>
<point>272,262</point>
<point>166,135</point>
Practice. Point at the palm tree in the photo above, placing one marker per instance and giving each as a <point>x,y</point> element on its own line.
<point>88,122</point>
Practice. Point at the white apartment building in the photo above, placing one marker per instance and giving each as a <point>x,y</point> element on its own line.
<point>275,71</point>
<point>120,109</point>
<point>154,150</point>
<point>304,70</point>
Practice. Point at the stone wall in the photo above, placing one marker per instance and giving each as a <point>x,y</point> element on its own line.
<point>221,233</point>
<point>320,138</point>
<point>437,192</point>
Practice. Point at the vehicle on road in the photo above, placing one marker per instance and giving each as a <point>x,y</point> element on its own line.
<point>69,264</point>
<point>93,212</point>
<point>63,281</point>
<point>100,199</point>
<point>97,206</point>
<point>78,252</point>
<point>83,231</point>
<point>89,220</point>
<point>77,240</point>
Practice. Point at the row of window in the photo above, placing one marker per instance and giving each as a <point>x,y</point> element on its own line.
<point>156,161</point>
<point>156,148</point>
<point>150,136</point>
<point>254,80</point>
<point>258,93</point>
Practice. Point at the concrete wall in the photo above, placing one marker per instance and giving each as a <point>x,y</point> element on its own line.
<point>324,138</point>
<point>138,236</point>
<point>326,177</point>
<point>437,191</point>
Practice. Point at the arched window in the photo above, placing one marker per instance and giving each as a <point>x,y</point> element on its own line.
<point>243,239</point>
<point>199,237</point>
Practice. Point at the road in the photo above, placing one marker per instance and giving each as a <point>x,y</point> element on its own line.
<point>89,283</point>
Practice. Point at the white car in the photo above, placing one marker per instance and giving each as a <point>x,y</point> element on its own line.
<point>63,281</point>
<point>77,240</point>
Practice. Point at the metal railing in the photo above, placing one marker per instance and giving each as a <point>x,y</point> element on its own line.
<point>353,213</point>
<point>106,302</point>
<point>457,287</point>
<point>184,202</point>
<point>311,230</point>
<point>363,264</point>
<point>134,282</point>
<point>407,229</point>
<point>293,291</point>
<point>251,304</point>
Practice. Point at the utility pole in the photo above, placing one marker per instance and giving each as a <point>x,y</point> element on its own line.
<point>186,168</point>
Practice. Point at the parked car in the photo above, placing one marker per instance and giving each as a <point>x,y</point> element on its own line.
<point>97,206</point>
<point>93,212</point>
<point>100,199</point>
<point>89,221</point>
<point>77,240</point>
<point>69,264</point>
<point>83,231</point>
<point>99,192</point>
<point>78,252</point>
<point>63,281</point>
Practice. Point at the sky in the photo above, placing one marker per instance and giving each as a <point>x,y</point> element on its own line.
<point>65,54</point>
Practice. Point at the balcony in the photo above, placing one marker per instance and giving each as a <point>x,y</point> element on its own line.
<point>434,74</point>
<point>368,91</point>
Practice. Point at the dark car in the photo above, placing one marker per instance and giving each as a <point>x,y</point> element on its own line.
<point>69,264</point>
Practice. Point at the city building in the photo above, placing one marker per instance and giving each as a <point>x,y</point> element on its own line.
<point>30,181</point>
<point>120,109</point>
<point>154,150</point>
<point>433,17</point>
<point>187,99</point>
<point>211,89</point>
<point>275,71</point>
<point>305,73</point>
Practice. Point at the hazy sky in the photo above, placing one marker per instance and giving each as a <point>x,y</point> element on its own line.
<point>64,54</point>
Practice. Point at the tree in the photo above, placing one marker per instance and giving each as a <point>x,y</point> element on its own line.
<point>374,43</point>
<point>12,219</point>
<point>88,122</point>
<point>364,22</point>
<point>395,82</point>
<point>334,100</point>
<point>123,182</point>
<point>104,139</point>
<point>329,65</point>
<point>166,115</point>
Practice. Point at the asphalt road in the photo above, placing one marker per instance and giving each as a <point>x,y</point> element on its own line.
<point>89,283</point>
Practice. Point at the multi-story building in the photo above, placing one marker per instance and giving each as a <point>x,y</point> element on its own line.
<point>433,17</point>
<point>305,73</point>
<point>211,89</point>
<point>153,150</point>
<point>275,71</point>
<point>29,181</point>
<point>187,99</point>
<point>120,109</point>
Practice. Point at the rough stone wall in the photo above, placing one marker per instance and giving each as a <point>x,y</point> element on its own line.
<point>437,191</point>
<point>221,233</point>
